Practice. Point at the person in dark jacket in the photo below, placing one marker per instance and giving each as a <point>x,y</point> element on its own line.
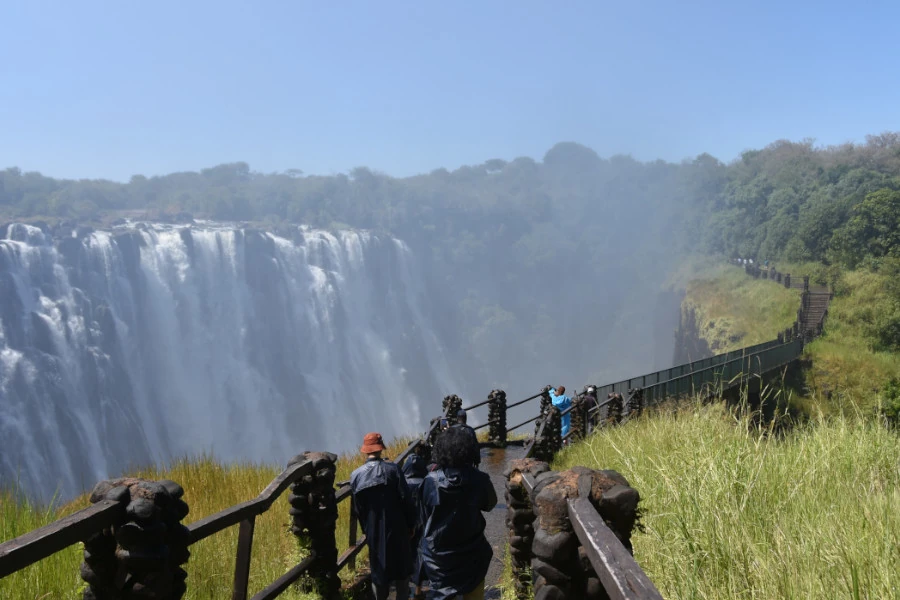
<point>474,450</point>
<point>384,507</point>
<point>415,470</point>
<point>454,551</point>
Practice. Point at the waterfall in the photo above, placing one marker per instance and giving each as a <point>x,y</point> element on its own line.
<point>148,342</point>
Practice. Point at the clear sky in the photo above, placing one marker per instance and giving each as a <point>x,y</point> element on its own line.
<point>112,89</point>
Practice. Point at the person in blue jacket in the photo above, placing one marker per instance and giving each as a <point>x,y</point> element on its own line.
<point>454,550</point>
<point>562,402</point>
<point>385,510</point>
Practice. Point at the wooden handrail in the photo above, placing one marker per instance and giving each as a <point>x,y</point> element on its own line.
<point>622,577</point>
<point>235,514</point>
<point>37,545</point>
<point>279,585</point>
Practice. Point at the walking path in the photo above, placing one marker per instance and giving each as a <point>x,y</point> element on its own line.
<point>493,462</point>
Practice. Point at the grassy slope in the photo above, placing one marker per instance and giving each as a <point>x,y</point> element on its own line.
<point>731,512</point>
<point>733,310</point>
<point>845,370</point>
<point>209,487</point>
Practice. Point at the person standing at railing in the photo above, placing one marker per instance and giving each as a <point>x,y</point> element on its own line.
<point>386,514</point>
<point>454,550</point>
<point>561,402</point>
<point>475,451</point>
<point>415,470</point>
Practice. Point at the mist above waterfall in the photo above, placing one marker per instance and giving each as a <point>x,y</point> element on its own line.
<point>136,332</point>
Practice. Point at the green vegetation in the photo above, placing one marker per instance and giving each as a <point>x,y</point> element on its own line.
<point>732,511</point>
<point>856,358</point>
<point>209,487</point>
<point>732,310</point>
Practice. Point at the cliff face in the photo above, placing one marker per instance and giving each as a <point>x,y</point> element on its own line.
<point>689,344</point>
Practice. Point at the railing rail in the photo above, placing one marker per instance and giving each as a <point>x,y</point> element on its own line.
<point>27,549</point>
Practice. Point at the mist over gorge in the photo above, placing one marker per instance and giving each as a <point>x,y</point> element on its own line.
<point>129,343</point>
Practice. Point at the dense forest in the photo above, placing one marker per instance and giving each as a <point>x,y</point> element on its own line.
<point>541,222</point>
<point>790,200</point>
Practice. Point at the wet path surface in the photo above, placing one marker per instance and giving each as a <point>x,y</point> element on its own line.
<point>493,462</point>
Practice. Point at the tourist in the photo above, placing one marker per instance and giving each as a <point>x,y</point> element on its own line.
<point>561,402</point>
<point>475,451</point>
<point>415,470</point>
<point>454,551</point>
<point>385,510</point>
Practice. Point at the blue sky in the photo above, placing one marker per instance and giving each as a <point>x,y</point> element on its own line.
<point>112,89</point>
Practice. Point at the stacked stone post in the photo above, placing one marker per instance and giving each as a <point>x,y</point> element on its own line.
<point>578,418</point>
<point>546,403</point>
<point>560,565</point>
<point>520,521</point>
<point>141,557</point>
<point>451,405</point>
<point>548,443</point>
<point>497,418</point>
<point>779,278</point>
<point>314,514</point>
<point>614,408</point>
<point>635,402</point>
<point>780,337</point>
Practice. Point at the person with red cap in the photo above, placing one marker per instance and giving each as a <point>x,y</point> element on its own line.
<point>386,513</point>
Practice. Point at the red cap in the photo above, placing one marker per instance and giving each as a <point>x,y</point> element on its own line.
<point>372,442</point>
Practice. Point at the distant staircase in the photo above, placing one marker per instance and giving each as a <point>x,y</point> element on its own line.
<point>813,310</point>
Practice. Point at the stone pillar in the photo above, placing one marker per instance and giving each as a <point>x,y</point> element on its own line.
<point>779,278</point>
<point>578,418</point>
<point>520,521</point>
<point>560,565</point>
<point>314,513</point>
<point>787,280</point>
<point>497,418</point>
<point>451,405</point>
<point>141,557</point>
<point>780,337</point>
<point>635,402</point>
<point>550,441</point>
<point>614,408</point>
<point>806,283</point>
<point>546,403</point>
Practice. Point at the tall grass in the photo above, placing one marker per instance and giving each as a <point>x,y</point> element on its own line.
<point>734,511</point>
<point>210,486</point>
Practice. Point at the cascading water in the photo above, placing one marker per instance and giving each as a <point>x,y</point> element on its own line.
<point>148,342</point>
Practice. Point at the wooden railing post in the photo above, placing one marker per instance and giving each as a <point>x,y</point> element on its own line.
<point>635,402</point>
<point>451,406</point>
<point>520,521</point>
<point>578,418</point>
<point>242,560</point>
<point>354,526</point>
<point>497,418</point>
<point>314,512</point>
<point>787,280</point>
<point>549,438</point>
<point>614,408</point>
<point>556,556</point>
<point>146,551</point>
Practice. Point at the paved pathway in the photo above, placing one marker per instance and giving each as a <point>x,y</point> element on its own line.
<point>493,462</point>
